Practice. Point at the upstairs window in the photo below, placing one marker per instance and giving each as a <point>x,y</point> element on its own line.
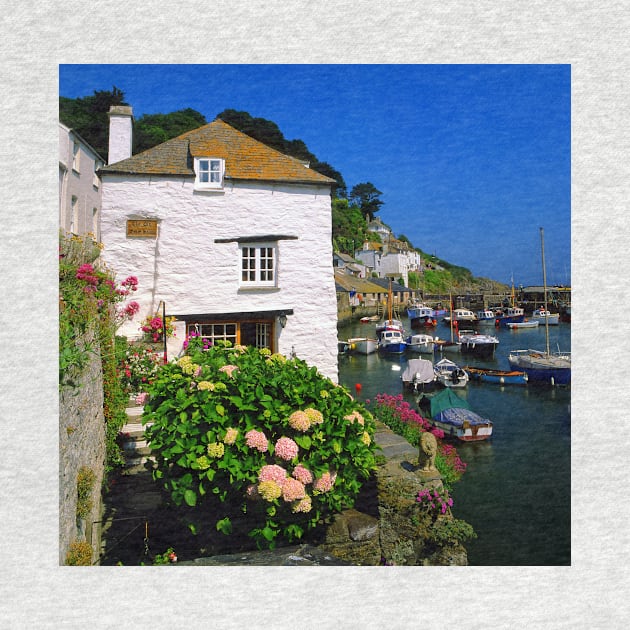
<point>209,173</point>
<point>258,265</point>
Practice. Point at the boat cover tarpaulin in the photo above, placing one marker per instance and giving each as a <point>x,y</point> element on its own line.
<point>446,399</point>
<point>457,416</point>
<point>420,370</point>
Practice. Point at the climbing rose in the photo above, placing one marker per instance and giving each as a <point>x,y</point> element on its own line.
<point>286,448</point>
<point>292,490</point>
<point>256,439</point>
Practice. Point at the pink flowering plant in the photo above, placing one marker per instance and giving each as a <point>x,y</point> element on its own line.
<point>154,328</point>
<point>401,418</point>
<point>243,432</point>
<point>138,367</point>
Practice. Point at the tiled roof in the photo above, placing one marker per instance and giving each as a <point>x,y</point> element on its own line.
<point>345,282</point>
<point>245,158</point>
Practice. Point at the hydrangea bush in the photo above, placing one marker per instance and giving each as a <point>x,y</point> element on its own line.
<point>237,425</point>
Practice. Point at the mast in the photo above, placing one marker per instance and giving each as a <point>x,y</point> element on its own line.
<point>542,246</point>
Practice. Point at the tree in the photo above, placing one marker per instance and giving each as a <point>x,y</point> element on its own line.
<point>366,196</point>
<point>88,116</point>
<point>153,129</point>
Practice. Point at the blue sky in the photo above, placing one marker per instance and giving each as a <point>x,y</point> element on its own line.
<point>471,159</point>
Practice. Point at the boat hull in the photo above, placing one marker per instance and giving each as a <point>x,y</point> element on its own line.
<point>481,350</point>
<point>464,432</point>
<point>363,345</point>
<point>499,377</point>
<point>393,347</point>
<point>541,369</point>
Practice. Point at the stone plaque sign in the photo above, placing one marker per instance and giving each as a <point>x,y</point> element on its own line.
<point>146,228</point>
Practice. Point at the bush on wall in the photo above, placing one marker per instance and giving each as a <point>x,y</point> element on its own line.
<point>234,426</point>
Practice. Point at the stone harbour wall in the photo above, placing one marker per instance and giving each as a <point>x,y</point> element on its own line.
<point>81,445</point>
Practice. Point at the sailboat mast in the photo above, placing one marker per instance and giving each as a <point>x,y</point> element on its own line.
<point>542,246</point>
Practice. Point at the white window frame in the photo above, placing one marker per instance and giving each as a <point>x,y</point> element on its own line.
<point>209,173</point>
<point>256,272</point>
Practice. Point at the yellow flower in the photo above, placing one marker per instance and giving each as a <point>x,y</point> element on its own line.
<point>206,385</point>
<point>269,490</point>
<point>203,462</point>
<point>324,394</point>
<point>366,438</point>
<point>216,449</point>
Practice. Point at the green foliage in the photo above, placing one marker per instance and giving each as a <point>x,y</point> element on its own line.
<point>88,116</point>
<point>367,197</point>
<point>138,363</point>
<point>79,554</point>
<point>168,557</point>
<point>236,428</point>
<point>153,129</point>
<point>451,531</point>
<point>349,227</point>
<point>85,487</point>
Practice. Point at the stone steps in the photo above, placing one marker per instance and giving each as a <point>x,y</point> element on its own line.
<point>136,451</point>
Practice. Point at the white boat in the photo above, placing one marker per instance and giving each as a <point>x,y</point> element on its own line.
<point>461,315</point>
<point>390,323</point>
<point>363,345</point>
<point>482,346</point>
<point>528,324</point>
<point>420,343</point>
<point>450,374</point>
<point>542,314</point>
<point>419,376</point>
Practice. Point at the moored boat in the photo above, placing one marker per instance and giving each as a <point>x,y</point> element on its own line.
<point>486,316</point>
<point>460,315</point>
<point>420,343</point>
<point>421,316</point>
<point>363,345</point>
<point>454,416</point>
<point>450,374</point>
<point>391,342</point>
<point>443,345</point>
<point>419,376</point>
<point>502,377</point>
<point>477,345</point>
<point>542,314</point>
<point>512,315</point>
<point>524,324</point>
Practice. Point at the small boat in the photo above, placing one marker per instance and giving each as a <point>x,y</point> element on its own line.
<point>450,374</point>
<point>525,324</point>
<point>502,377</point>
<point>512,315</point>
<point>542,314</point>
<point>343,347</point>
<point>461,315</point>
<point>543,367</point>
<point>454,416</point>
<point>391,342</point>
<point>482,346</point>
<point>421,316</point>
<point>442,345</point>
<point>369,318</point>
<point>390,323</point>
<point>419,376</point>
<point>420,343</point>
<point>486,316</point>
<point>363,345</point>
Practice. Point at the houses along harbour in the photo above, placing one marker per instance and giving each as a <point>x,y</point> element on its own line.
<point>516,491</point>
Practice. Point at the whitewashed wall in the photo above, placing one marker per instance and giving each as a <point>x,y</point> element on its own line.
<point>193,274</point>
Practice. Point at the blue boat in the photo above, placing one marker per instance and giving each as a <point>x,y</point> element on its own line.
<point>542,367</point>
<point>391,342</point>
<point>501,377</point>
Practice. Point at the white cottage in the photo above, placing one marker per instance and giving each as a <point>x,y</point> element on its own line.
<point>231,236</point>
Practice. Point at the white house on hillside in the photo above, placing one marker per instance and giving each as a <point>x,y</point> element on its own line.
<point>232,236</point>
<point>79,185</point>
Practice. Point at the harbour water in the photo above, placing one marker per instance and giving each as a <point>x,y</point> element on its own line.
<point>516,491</point>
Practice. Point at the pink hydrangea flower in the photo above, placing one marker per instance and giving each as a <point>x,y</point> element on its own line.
<point>273,472</point>
<point>293,490</point>
<point>228,369</point>
<point>286,448</point>
<point>256,439</point>
<point>302,474</point>
<point>299,421</point>
<point>325,482</point>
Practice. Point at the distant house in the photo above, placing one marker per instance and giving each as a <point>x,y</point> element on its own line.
<point>349,264</point>
<point>233,237</point>
<point>79,185</point>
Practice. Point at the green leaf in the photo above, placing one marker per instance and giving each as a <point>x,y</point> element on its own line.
<point>224,526</point>
<point>190,496</point>
<point>303,441</point>
<point>268,533</point>
<point>220,410</point>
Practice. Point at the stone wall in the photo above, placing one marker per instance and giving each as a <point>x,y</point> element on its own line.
<point>81,444</point>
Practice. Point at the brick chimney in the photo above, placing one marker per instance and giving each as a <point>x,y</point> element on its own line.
<point>120,133</point>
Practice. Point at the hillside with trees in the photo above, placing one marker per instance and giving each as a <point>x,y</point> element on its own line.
<point>351,212</point>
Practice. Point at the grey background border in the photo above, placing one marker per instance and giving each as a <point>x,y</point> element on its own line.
<point>35,38</point>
